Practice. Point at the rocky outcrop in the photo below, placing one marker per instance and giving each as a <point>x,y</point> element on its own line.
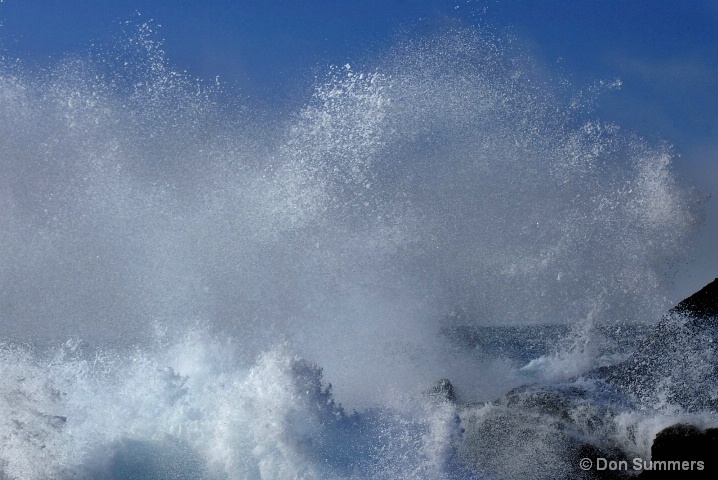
<point>544,431</point>
<point>442,391</point>
<point>702,304</point>
<point>678,363</point>
<point>695,449</point>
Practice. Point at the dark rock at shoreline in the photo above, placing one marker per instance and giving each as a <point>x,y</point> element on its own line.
<point>442,390</point>
<point>592,452</point>
<point>693,448</point>
<point>702,304</point>
<point>548,429</point>
<point>678,362</point>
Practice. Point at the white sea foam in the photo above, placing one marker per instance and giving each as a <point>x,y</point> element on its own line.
<point>187,410</point>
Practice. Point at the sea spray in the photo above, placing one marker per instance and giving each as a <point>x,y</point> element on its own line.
<point>451,174</point>
<point>130,413</point>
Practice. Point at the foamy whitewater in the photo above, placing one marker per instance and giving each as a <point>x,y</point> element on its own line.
<point>195,289</point>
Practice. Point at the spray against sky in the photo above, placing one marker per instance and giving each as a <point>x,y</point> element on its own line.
<point>272,53</point>
<point>345,205</point>
<point>446,168</point>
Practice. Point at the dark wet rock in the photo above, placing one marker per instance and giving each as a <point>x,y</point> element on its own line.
<point>543,431</point>
<point>678,362</point>
<point>57,421</point>
<point>515,443</point>
<point>688,445</point>
<point>555,400</point>
<point>507,443</point>
<point>702,304</point>
<point>594,471</point>
<point>541,438</point>
<point>583,404</point>
<point>442,390</point>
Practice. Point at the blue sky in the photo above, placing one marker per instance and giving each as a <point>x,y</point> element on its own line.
<point>664,51</point>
